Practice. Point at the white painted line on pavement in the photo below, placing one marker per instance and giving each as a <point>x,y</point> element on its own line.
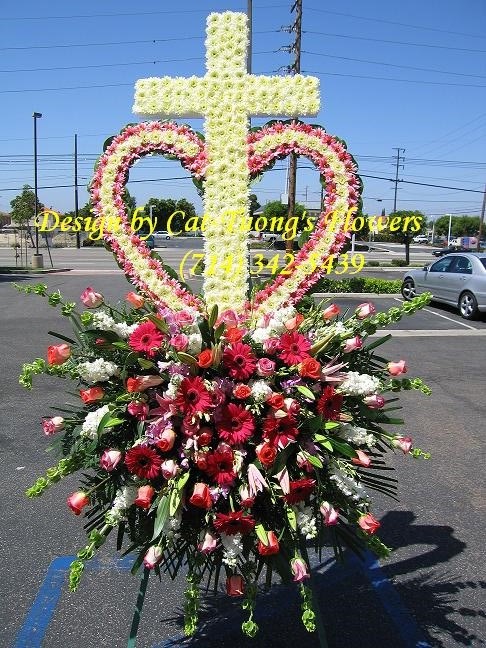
<point>427,310</point>
<point>432,333</point>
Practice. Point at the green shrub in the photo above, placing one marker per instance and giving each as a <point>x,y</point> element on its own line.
<point>373,264</point>
<point>399,262</point>
<point>358,284</point>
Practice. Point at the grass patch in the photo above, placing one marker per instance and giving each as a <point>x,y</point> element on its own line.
<point>357,285</point>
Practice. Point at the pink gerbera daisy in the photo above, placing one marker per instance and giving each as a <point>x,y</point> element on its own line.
<point>294,348</point>
<point>193,396</point>
<point>146,338</point>
<point>239,361</point>
<point>236,425</point>
<point>143,461</point>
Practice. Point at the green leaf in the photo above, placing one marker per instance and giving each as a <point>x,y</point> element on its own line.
<point>145,364</point>
<point>61,337</point>
<point>291,517</point>
<point>159,323</point>
<point>187,359</point>
<point>305,391</point>
<point>213,316</point>
<point>262,534</point>
<point>377,342</point>
<point>312,459</point>
<point>331,425</point>
<point>161,516</point>
<point>343,448</point>
<point>175,500</point>
<point>112,422</point>
<point>182,481</point>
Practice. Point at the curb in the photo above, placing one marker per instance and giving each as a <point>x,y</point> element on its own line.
<point>358,295</point>
<point>39,271</point>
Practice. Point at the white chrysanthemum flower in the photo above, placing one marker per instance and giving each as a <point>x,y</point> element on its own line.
<point>356,384</point>
<point>92,421</point>
<point>347,485</point>
<point>195,343</point>
<point>97,371</point>
<point>259,335</point>
<point>307,523</point>
<point>233,547</point>
<point>260,390</point>
<point>124,498</point>
<point>357,435</point>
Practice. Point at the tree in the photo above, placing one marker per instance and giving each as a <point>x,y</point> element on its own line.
<point>130,202</point>
<point>254,204</point>
<point>163,208</point>
<point>275,209</point>
<point>460,225</point>
<point>23,206</point>
<point>403,225</point>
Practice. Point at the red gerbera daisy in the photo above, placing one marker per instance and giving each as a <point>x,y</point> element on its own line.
<point>236,425</point>
<point>330,403</point>
<point>193,396</point>
<point>146,338</point>
<point>279,432</point>
<point>234,522</point>
<point>143,461</point>
<point>299,490</point>
<point>239,361</point>
<point>219,466</point>
<point>294,348</point>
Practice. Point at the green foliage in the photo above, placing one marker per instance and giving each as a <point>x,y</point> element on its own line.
<point>65,466</point>
<point>460,225</point>
<point>358,284</point>
<point>24,206</point>
<point>276,209</point>
<point>401,263</point>
<point>163,208</point>
<point>254,204</point>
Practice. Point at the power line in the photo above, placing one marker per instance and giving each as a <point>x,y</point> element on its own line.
<point>376,78</point>
<point>392,42</point>
<point>393,22</point>
<point>405,67</point>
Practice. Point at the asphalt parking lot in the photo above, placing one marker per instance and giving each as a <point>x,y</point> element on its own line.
<point>431,592</point>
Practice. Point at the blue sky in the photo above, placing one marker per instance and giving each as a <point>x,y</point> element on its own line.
<point>366,55</point>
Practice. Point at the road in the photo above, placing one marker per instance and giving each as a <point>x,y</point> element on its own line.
<point>437,529</point>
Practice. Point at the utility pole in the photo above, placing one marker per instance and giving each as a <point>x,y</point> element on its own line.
<point>398,150</point>
<point>481,219</point>
<point>294,69</point>
<point>76,205</point>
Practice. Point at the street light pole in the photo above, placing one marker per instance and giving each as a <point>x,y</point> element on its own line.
<point>37,260</point>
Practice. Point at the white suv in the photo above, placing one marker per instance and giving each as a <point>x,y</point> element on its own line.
<point>421,238</point>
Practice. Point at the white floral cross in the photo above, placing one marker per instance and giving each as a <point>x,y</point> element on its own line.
<point>226,96</point>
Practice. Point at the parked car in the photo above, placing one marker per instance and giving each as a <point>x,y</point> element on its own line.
<point>162,235</point>
<point>150,241</point>
<point>459,279</point>
<point>448,250</point>
<point>421,238</point>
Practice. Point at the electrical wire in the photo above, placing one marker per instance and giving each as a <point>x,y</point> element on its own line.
<point>376,78</point>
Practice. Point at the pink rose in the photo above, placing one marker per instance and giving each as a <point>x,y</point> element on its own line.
<point>144,496</point>
<point>397,368</point>
<point>135,300</point>
<point>229,318</point>
<point>329,513</point>
<point>404,443</point>
<point>330,312</point>
<point>235,586</point>
<point>208,544</point>
<point>299,570</point>
<point>271,345</point>
<point>362,459</point>
<point>201,497</point>
<point>183,318</point>
<point>92,394</point>
<point>153,557</point>
<point>141,383</point>
<point>137,409</point>
<point>179,341</point>
<point>166,440</point>
<point>52,425</point>
<point>169,468</point>
<point>365,310</point>
<point>57,354</point>
<point>265,367</point>
<point>369,523</point>
<point>110,459</point>
<point>294,322</point>
<point>90,298</point>
<point>374,401</point>
<point>352,344</point>
<point>77,501</point>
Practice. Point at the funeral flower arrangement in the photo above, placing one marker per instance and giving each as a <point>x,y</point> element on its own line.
<point>223,444</point>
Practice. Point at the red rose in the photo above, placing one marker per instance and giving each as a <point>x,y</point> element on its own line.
<point>201,497</point>
<point>205,358</point>
<point>202,460</point>
<point>144,496</point>
<point>271,548</point>
<point>234,335</point>
<point>241,391</point>
<point>92,394</point>
<point>57,354</point>
<point>266,453</point>
<point>310,368</point>
<point>204,436</point>
<point>235,586</point>
<point>276,401</point>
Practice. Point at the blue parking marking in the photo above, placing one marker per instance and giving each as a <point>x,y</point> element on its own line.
<point>36,623</point>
